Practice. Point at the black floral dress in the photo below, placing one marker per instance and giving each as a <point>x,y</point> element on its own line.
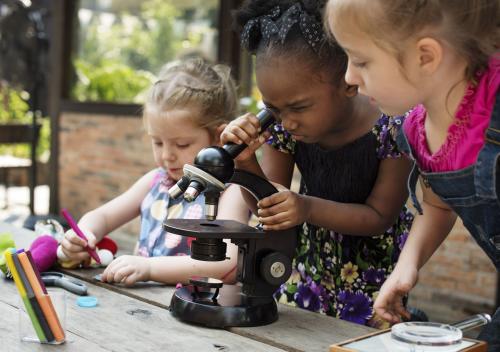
<point>338,274</point>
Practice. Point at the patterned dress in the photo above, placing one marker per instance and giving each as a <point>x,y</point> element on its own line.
<point>338,274</point>
<point>155,208</point>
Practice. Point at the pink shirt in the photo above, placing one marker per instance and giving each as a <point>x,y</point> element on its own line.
<point>466,135</point>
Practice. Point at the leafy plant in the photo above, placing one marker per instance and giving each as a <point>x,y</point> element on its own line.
<point>14,108</point>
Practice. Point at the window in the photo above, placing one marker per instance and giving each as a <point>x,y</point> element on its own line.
<point>120,45</point>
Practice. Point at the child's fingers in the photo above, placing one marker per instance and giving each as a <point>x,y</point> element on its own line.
<point>272,200</point>
<point>279,226</point>
<point>74,239</point>
<point>109,273</point>
<point>122,273</point>
<point>131,279</point>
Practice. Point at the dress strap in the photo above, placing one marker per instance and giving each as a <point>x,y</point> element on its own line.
<point>487,161</point>
<point>404,147</point>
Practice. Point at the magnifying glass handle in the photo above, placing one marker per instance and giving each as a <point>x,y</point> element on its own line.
<point>473,322</point>
<point>77,288</point>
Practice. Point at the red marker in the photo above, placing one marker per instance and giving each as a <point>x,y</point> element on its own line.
<point>74,226</point>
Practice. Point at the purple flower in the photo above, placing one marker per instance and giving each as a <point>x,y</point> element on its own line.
<point>308,295</point>
<point>356,307</point>
<point>374,276</point>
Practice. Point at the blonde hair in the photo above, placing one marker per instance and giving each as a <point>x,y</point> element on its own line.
<point>198,84</point>
<point>470,27</point>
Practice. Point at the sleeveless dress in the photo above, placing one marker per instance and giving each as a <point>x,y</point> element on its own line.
<point>333,273</point>
<point>155,208</point>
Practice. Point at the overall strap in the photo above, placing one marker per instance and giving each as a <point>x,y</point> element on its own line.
<point>405,148</point>
<point>487,161</point>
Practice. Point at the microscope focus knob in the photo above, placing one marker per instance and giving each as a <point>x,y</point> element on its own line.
<point>276,268</point>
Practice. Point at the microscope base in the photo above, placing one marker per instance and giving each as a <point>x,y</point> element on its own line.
<point>230,308</point>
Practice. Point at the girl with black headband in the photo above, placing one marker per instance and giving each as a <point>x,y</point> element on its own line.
<point>350,207</point>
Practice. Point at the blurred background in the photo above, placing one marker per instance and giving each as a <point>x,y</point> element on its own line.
<point>72,79</point>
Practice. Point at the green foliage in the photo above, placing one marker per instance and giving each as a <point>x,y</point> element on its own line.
<point>113,81</point>
<point>116,61</point>
<point>14,108</point>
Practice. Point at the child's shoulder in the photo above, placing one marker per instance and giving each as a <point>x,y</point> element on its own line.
<point>154,177</point>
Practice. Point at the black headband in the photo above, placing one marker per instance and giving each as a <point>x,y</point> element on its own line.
<point>274,25</point>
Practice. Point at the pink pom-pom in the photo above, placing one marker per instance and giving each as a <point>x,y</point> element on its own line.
<point>44,252</point>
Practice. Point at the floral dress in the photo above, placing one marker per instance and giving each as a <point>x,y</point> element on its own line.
<point>333,273</point>
<point>155,208</point>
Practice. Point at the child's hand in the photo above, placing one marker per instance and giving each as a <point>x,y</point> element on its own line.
<point>74,247</point>
<point>283,210</point>
<point>127,269</point>
<point>389,302</point>
<point>244,129</point>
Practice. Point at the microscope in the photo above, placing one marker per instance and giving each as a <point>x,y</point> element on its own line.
<point>264,257</point>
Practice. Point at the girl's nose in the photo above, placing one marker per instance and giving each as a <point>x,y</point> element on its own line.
<point>168,154</point>
<point>350,76</point>
<point>288,124</point>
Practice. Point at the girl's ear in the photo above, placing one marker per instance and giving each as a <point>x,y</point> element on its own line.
<point>430,55</point>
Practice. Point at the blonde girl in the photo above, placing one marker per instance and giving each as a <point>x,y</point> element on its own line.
<point>186,110</point>
<point>440,59</point>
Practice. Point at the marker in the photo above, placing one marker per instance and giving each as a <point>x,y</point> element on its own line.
<point>74,226</point>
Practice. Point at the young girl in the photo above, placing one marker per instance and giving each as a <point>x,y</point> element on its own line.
<point>444,55</point>
<point>185,111</point>
<point>351,202</point>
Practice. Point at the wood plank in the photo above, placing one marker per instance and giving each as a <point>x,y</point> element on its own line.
<point>9,332</point>
<point>301,330</point>
<point>120,323</point>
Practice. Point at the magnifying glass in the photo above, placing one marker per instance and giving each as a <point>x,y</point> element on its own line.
<point>435,334</point>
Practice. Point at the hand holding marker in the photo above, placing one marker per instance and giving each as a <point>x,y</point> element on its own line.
<point>74,226</point>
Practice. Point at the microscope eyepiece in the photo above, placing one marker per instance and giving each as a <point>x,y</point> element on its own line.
<point>179,188</point>
<point>193,191</point>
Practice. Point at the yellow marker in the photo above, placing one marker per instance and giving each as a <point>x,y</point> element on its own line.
<point>22,291</point>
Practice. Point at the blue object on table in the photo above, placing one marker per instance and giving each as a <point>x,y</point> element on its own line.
<point>86,301</point>
<point>54,278</point>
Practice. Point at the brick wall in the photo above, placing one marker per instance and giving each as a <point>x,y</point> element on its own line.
<point>100,157</point>
<point>458,281</point>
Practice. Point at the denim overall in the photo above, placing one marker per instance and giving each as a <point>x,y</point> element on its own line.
<point>473,193</point>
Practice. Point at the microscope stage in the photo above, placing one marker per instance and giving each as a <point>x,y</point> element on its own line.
<point>202,228</point>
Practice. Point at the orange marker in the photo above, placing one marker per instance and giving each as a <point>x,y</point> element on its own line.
<point>42,298</point>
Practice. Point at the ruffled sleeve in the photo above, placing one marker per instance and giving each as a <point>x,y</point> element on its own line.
<point>281,140</point>
<point>386,130</point>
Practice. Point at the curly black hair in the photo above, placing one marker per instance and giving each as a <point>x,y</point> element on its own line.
<point>329,56</point>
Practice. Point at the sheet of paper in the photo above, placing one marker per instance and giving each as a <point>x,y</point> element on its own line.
<point>384,343</point>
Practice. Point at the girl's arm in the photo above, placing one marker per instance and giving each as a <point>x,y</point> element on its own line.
<point>427,233</point>
<point>119,210</point>
<point>376,215</point>
<point>175,269</point>
<point>99,222</point>
<point>428,230</point>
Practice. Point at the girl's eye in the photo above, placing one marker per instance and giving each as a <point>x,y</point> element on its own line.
<point>298,108</point>
<point>182,146</point>
<point>359,64</point>
<point>158,144</point>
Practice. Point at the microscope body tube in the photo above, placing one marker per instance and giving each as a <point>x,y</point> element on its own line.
<point>266,118</point>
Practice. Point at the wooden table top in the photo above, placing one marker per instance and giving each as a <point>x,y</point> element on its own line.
<point>114,326</point>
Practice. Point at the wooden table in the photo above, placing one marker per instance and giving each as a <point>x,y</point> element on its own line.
<point>136,319</point>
